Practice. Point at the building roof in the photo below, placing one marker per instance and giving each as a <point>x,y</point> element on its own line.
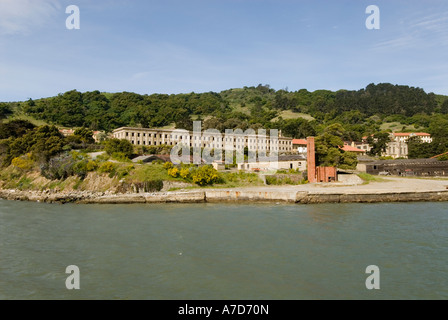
<point>153,157</point>
<point>408,134</point>
<point>291,157</point>
<point>202,133</point>
<point>407,162</point>
<point>435,157</point>
<point>299,141</point>
<point>347,148</point>
<point>365,158</point>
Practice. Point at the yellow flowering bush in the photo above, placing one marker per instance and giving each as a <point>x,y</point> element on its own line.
<point>174,172</point>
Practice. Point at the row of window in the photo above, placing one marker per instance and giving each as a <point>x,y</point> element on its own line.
<point>283,142</point>
<point>203,145</point>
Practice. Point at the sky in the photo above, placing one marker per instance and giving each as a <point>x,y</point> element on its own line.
<point>181,46</point>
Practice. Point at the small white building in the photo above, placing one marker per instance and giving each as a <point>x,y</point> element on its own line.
<point>300,146</point>
<point>284,163</point>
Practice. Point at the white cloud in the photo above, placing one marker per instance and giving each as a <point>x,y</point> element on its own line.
<point>22,16</point>
<point>419,32</point>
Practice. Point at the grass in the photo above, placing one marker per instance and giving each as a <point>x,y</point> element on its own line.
<point>425,178</point>
<point>367,178</point>
<point>150,172</point>
<point>288,114</point>
<point>238,108</point>
<point>240,179</point>
<point>36,122</point>
<point>170,126</point>
<point>397,126</point>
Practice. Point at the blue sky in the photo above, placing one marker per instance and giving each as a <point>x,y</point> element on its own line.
<point>174,46</point>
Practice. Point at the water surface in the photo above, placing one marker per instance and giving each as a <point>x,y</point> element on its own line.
<point>223,251</point>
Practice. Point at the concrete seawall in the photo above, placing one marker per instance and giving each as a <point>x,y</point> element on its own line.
<point>214,196</point>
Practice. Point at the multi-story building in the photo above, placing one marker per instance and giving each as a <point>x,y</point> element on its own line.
<point>157,137</point>
<point>404,137</point>
<point>299,146</point>
<point>398,145</point>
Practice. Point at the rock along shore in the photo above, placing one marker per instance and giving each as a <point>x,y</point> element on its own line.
<point>278,194</point>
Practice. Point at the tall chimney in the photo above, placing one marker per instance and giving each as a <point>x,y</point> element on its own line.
<point>311,159</point>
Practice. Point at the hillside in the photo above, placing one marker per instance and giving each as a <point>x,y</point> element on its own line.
<point>298,113</point>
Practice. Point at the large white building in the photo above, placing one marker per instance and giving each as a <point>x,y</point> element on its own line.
<point>398,145</point>
<point>404,137</point>
<point>157,137</point>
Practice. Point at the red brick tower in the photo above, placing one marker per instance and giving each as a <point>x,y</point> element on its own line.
<point>311,160</point>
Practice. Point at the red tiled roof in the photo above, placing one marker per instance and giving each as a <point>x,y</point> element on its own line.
<point>435,157</point>
<point>351,149</point>
<point>409,133</point>
<point>299,141</point>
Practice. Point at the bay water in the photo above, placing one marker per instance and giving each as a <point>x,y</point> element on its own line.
<point>224,251</point>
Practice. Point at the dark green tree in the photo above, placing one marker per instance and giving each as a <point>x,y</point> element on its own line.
<point>119,146</point>
<point>378,142</point>
<point>5,110</point>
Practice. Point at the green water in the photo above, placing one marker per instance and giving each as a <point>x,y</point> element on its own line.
<point>223,251</point>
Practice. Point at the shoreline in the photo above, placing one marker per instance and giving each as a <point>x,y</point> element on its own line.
<point>392,190</point>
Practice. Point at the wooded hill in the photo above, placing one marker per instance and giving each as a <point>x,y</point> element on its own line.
<point>298,113</point>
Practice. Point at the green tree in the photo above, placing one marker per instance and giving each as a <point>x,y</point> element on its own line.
<point>378,142</point>
<point>42,142</point>
<point>15,128</point>
<point>5,110</point>
<point>419,150</point>
<point>119,146</point>
<point>444,107</point>
<point>329,152</point>
<point>297,128</point>
<point>84,135</point>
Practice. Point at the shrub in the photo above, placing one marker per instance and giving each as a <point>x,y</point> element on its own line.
<point>24,163</point>
<point>24,184</point>
<point>168,165</point>
<point>107,167</point>
<point>153,185</point>
<point>271,180</point>
<point>206,175</point>
<point>77,155</point>
<point>124,171</point>
<point>120,156</point>
<point>92,166</point>
<point>57,168</point>
<point>80,169</point>
<point>281,180</point>
<point>174,172</point>
<point>119,146</point>
<point>184,173</point>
